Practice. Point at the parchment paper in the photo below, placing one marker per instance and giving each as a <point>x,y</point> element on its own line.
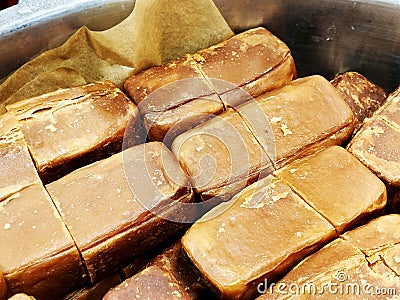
<point>157,31</point>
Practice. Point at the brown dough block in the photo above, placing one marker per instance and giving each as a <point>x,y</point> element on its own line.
<point>107,205</point>
<point>165,87</point>
<point>299,119</point>
<point>17,168</point>
<point>69,128</point>
<point>175,261</point>
<point>240,243</point>
<point>3,287</point>
<point>172,98</point>
<point>242,67</point>
<point>95,291</point>
<point>362,95</point>
<point>338,186</point>
<point>360,264</point>
<point>391,110</point>
<point>165,126</point>
<point>377,145</point>
<point>136,264</point>
<point>37,253</point>
<point>248,60</point>
<point>151,283</point>
<point>218,153</point>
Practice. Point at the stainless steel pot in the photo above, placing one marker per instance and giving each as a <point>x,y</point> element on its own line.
<point>326,36</point>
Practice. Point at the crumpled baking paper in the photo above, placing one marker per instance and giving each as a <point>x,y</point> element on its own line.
<point>157,31</point>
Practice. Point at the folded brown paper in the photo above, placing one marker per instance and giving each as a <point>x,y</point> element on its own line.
<point>156,32</point>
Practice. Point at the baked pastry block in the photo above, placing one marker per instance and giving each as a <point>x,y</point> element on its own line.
<point>377,146</point>
<point>167,125</point>
<point>176,96</point>
<point>262,233</point>
<point>121,207</point>
<point>37,253</point>
<point>151,283</point>
<point>172,98</point>
<point>70,128</point>
<point>338,186</point>
<point>175,261</point>
<point>164,87</point>
<point>17,168</point>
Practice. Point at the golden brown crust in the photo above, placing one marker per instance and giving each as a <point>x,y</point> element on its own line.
<point>242,59</point>
<point>95,291</point>
<point>377,146</point>
<point>376,235</point>
<point>48,265</point>
<point>313,117</point>
<point>166,126</point>
<point>69,128</point>
<point>142,85</point>
<point>120,191</point>
<point>322,180</point>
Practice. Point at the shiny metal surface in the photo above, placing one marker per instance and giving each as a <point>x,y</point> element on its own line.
<point>326,36</point>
